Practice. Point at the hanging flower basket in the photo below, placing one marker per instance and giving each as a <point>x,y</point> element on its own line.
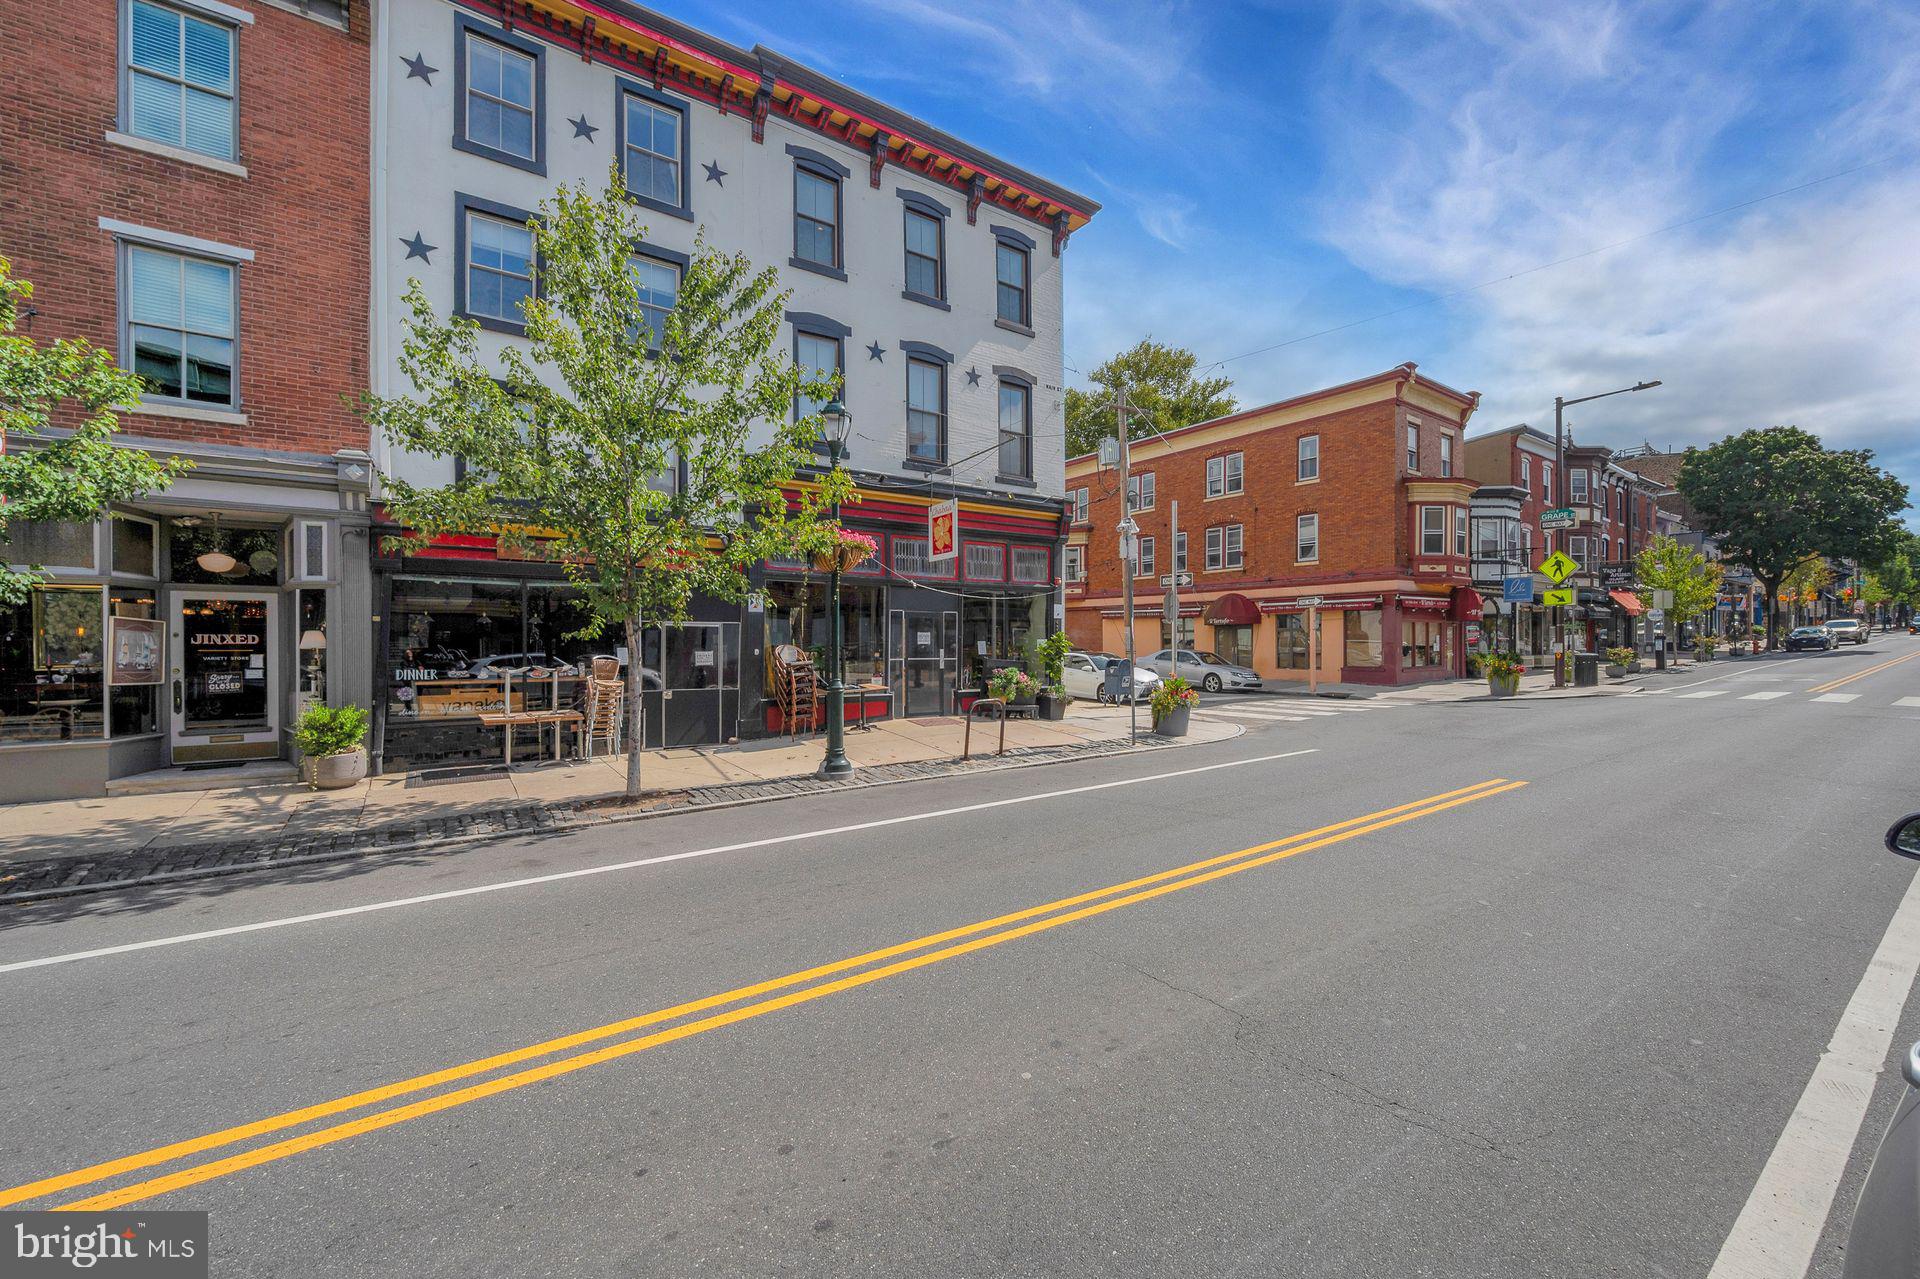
<point>849,551</point>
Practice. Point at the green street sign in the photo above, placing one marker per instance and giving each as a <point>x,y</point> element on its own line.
<point>1557,517</point>
<point>1560,598</point>
<point>1559,566</point>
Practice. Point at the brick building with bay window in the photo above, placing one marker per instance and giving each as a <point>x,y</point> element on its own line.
<point>1355,496</point>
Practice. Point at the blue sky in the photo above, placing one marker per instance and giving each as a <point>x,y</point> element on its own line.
<point>1273,168</point>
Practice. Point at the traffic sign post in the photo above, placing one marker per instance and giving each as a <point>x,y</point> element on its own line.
<point>1176,579</point>
<point>1558,517</point>
<point>1557,597</point>
<point>1558,567</point>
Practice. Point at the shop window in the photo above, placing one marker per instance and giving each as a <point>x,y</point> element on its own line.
<point>137,661</point>
<point>1425,644</point>
<point>310,628</point>
<point>799,613</point>
<point>1179,635</point>
<point>136,546</point>
<point>54,545</point>
<point>1363,638</point>
<point>207,553</point>
<point>1290,648</point>
<point>1032,564</point>
<point>52,666</point>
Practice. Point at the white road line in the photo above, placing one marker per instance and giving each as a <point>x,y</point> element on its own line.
<point>1838,697</point>
<point>1766,696</point>
<point>1780,1225</point>
<point>1907,701</point>
<point>1709,692</point>
<point>535,880</point>
<point>1247,712</point>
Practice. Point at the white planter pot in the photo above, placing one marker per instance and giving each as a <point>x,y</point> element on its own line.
<point>337,772</point>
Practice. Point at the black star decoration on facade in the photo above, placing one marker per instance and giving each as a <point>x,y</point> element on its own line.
<point>418,247</point>
<point>973,377</point>
<point>876,352</point>
<point>715,173</point>
<point>417,68</point>
<point>581,129</point>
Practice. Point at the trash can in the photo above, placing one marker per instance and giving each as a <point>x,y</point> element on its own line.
<point>1586,670</point>
<point>1118,683</point>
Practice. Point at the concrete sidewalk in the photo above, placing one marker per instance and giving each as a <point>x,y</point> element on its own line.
<point>281,813</point>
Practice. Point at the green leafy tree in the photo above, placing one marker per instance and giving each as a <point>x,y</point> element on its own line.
<point>1665,565</point>
<point>574,451</point>
<point>1160,383</point>
<point>72,476</point>
<point>1804,582</point>
<point>1773,496</point>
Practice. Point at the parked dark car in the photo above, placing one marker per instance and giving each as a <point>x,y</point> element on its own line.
<point>1804,637</point>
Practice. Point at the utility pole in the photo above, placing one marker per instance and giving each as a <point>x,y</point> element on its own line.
<point>1171,604</point>
<point>1559,499</point>
<point>1129,554</point>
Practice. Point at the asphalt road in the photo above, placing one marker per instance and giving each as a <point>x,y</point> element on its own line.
<point>1547,1028</point>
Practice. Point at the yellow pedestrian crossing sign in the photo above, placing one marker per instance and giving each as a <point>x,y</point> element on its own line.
<point>1559,566</point>
<point>1562,598</point>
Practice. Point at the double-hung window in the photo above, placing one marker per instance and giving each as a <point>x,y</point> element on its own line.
<point>497,275</point>
<point>1460,531</point>
<point>653,148</point>
<point>1140,491</point>
<point>1075,567</point>
<point>1413,446</point>
<point>925,277</point>
<point>658,284</point>
<point>1577,484</point>
<point>1226,474</point>
<point>181,326</point>
<point>1526,472</point>
<point>1016,430</point>
<point>1433,530</point>
<point>1180,552</point>
<point>1012,271</point>
<point>926,410</point>
<point>1306,538</point>
<point>1546,484</point>
<point>817,355</point>
<point>180,80</point>
<point>1146,567</point>
<point>1577,548</point>
<point>816,217</point>
<point>1224,546</point>
<point>1307,459</point>
<point>1079,499</point>
<point>1446,455</point>
<point>501,95</point>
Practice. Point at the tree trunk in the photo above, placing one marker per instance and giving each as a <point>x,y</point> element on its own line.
<point>636,722</point>
<point>1773,613</point>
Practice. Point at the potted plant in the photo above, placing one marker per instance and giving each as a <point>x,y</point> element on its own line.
<point>1053,664</point>
<point>1503,673</point>
<point>1172,702</point>
<point>1620,661</point>
<point>1013,686</point>
<point>1706,646</point>
<point>332,745</point>
<point>845,550</point>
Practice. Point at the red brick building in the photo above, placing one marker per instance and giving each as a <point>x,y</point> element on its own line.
<point>186,184</point>
<point>1356,495</point>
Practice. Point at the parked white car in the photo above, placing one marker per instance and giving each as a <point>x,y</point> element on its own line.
<point>1085,675</point>
<point>1203,670</point>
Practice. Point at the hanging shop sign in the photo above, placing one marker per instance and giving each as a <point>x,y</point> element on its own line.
<point>943,530</point>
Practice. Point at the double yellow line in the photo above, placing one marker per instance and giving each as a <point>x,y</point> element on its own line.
<point>1842,682</point>
<point>948,944</point>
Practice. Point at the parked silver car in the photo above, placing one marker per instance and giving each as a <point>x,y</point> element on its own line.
<point>1846,630</point>
<point>1085,675</point>
<point>1208,670</point>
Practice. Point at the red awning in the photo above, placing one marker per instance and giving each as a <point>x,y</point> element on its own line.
<point>1467,604</point>
<point>1231,609</point>
<point>1628,601</point>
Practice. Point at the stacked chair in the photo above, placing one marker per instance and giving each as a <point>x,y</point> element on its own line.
<point>797,685</point>
<point>603,700</point>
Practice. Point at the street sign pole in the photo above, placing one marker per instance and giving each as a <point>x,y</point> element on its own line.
<point>1173,591</point>
<point>1313,650</point>
<point>1129,549</point>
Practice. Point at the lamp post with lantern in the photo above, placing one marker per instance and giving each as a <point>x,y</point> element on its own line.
<point>836,424</point>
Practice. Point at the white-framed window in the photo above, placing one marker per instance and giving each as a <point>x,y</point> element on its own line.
<point>1606,549</point>
<point>1016,429</point>
<point>1433,530</point>
<point>1140,491</point>
<point>816,216</point>
<point>926,410</point>
<point>658,284</point>
<point>926,254</point>
<point>1224,546</point>
<point>1446,455</point>
<point>1460,531</point>
<point>1413,446</point>
<point>817,354</point>
<point>1146,567</point>
<point>1306,538</point>
<point>181,79</point>
<point>1577,548</point>
<point>1226,474</point>
<point>1577,485</point>
<point>1526,543</point>
<point>1546,483</point>
<point>1076,564</point>
<point>1010,270</point>
<point>181,325</point>
<point>1306,459</point>
<point>1526,472</point>
<point>1079,497</point>
<point>653,143</point>
<point>311,561</point>
<point>134,542</point>
<point>1180,552</point>
<point>498,269</point>
<point>498,109</point>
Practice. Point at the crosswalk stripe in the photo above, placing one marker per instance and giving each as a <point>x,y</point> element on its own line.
<point>1708,692</point>
<point>1837,697</point>
<point>1908,701</point>
<point>1248,712</point>
<point>1767,696</point>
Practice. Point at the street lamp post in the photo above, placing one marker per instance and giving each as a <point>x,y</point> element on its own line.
<point>836,423</point>
<point>1560,406</point>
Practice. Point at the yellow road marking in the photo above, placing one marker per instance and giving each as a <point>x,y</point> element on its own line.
<point>1210,869</point>
<point>1842,682</point>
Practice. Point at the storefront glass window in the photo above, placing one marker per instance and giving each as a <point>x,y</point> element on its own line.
<point>1363,637</point>
<point>797,614</point>
<point>446,640</point>
<point>310,631</point>
<point>1234,644</point>
<point>133,708</point>
<point>51,671</point>
<point>1425,643</point>
<point>133,548</point>
<point>1290,641</point>
<point>50,544</point>
<point>255,553</point>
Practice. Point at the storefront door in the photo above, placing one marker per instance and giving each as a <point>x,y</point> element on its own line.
<point>699,699</point>
<point>924,661</point>
<point>225,677</point>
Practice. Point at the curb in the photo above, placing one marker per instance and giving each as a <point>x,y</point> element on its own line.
<point>567,819</point>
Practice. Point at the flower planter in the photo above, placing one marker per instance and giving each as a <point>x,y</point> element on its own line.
<point>1503,685</point>
<point>1616,671</point>
<point>1174,722</point>
<point>337,772</point>
<point>1051,707</point>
